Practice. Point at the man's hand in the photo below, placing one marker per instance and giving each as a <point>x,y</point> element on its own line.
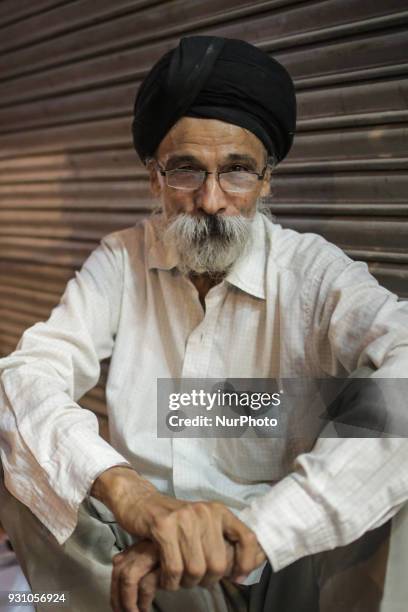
<point>191,537</point>
<point>136,575</point>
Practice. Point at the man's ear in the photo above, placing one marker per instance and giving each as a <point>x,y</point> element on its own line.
<point>155,186</point>
<point>266,183</point>
<point>269,161</point>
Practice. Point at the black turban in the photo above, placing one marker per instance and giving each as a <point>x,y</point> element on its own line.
<point>216,78</point>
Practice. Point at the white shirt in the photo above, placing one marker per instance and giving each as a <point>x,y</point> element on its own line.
<point>294,306</point>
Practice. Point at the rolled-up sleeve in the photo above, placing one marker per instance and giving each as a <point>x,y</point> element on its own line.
<point>342,487</point>
<point>50,447</point>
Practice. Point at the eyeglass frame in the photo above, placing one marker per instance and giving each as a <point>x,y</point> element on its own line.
<point>205,173</point>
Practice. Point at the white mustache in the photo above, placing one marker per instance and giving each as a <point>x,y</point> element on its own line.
<point>206,226</point>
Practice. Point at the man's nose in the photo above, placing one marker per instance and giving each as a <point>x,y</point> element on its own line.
<point>210,197</point>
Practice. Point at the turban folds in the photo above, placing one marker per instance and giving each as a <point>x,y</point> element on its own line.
<point>216,78</point>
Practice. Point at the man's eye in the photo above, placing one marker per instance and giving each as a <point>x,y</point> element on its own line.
<point>237,168</point>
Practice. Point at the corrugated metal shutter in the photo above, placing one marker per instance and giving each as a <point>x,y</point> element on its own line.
<point>68,173</point>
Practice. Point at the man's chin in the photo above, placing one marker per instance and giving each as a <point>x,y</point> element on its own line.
<point>215,264</point>
<point>210,249</point>
<point>211,272</point>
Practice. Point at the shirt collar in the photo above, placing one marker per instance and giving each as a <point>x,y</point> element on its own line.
<point>159,255</point>
<point>247,273</point>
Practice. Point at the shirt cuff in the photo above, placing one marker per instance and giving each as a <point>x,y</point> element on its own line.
<point>58,514</point>
<point>288,523</point>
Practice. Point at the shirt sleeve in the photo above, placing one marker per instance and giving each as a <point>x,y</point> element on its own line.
<point>342,487</point>
<point>50,447</point>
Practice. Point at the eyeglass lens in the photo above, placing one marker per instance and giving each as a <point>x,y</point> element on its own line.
<point>234,181</point>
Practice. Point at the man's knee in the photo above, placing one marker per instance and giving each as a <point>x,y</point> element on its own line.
<point>81,566</point>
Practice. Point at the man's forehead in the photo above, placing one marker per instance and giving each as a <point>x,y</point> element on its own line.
<point>195,136</point>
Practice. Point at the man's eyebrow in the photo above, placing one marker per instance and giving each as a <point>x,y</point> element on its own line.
<point>242,157</point>
<point>175,160</point>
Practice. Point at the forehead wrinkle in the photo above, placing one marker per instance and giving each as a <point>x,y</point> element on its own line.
<point>181,158</point>
<point>192,133</point>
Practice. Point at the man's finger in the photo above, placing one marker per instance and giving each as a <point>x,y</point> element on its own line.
<point>230,558</point>
<point>191,547</point>
<point>215,552</point>
<point>246,554</point>
<point>128,569</point>
<point>247,549</point>
<point>117,561</point>
<point>171,560</point>
<point>129,579</point>
<point>147,590</point>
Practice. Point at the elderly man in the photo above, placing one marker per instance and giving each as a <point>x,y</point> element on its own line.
<point>210,287</point>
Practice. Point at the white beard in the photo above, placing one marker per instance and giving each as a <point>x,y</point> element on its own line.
<point>207,244</point>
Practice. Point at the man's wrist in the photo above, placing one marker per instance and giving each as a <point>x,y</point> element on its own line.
<point>115,481</point>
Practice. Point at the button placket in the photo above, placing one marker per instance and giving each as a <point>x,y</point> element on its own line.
<point>195,365</point>
<point>199,344</point>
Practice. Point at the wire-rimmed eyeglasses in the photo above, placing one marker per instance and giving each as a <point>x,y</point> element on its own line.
<point>233,181</point>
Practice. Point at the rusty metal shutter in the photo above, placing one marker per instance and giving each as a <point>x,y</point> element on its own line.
<point>68,174</point>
